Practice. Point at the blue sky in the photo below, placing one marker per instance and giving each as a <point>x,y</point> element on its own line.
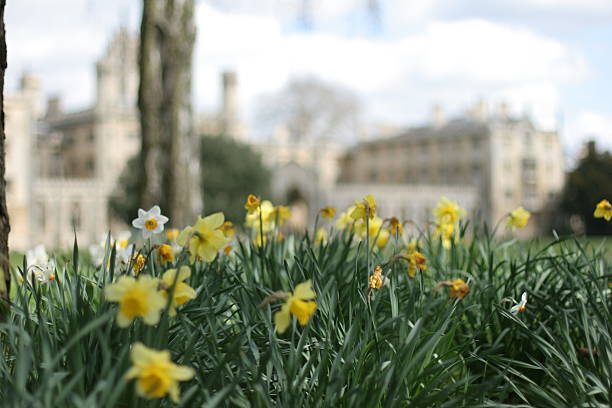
<point>550,58</point>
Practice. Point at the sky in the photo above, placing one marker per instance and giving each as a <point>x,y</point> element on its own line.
<point>551,59</point>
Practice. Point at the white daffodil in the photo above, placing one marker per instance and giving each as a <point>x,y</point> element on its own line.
<point>150,222</point>
<point>96,252</point>
<point>521,306</point>
<point>124,254</point>
<point>123,239</point>
<point>39,264</point>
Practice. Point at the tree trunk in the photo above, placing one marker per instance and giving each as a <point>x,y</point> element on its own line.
<point>5,276</point>
<point>170,149</point>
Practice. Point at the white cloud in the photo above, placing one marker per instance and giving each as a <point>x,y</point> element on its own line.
<point>588,126</point>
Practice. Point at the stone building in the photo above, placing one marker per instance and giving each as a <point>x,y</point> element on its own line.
<point>506,160</point>
<point>62,166</point>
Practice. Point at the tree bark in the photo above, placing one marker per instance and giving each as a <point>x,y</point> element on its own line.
<point>5,276</point>
<point>170,149</point>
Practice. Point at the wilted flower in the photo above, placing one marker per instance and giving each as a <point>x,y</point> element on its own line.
<point>518,218</point>
<point>396,227</point>
<point>416,260</point>
<point>328,212</point>
<point>182,291</point>
<point>204,239</point>
<point>156,374</point>
<point>458,288</point>
<point>252,203</point>
<point>136,298</point>
<point>603,210</point>
<point>377,280</point>
<point>521,306</point>
<point>150,222</point>
<point>139,263</point>
<point>364,208</point>
<point>299,304</point>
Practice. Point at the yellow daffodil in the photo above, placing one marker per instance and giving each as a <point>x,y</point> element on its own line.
<point>374,226</point>
<point>137,298</point>
<point>328,212</point>
<point>204,239</point>
<point>382,238</point>
<point>518,218</point>
<point>280,214</point>
<point>321,236</point>
<point>345,219</point>
<point>376,281</point>
<point>603,210</point>
<point>395,227</point>
<point>156,374</point>
<point>266,208</point>
<point>228,229</point>
<point>252,203</point>
<point>445,232</point>
<point>182,291</point>
<point>364,208</point>
<point>171,234</point>
<point>416,260</point>
<point>300,304</point>
<point>448,211</point>
<point>521,306</point>
<point>165,253</point>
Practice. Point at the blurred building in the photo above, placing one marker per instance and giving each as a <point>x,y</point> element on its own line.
<point>62,166</point>
<point>505,160</point>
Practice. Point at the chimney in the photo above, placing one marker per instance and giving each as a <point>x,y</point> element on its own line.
<point>479,111</point>
<point>504,110</point>
<point>54,106</point>
<point>437,116</point>
<point>229,114</point>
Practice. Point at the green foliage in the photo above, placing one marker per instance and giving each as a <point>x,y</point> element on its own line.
<point>230,171</point>
<point>409,346</point>
<point>586,186</point>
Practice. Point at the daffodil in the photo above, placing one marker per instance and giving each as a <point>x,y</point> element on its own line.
<point>40,265</point>
<point>376,280</point>
<point>445,231</point>
<point>228,249</point>
<point>345,219</point>
<point>123,239</point>
<point>382,238</point>
<point>416,260</point>
<point>252,203</point>
<point>458,288</point>
<point>138,263</point>
<point>328,212</point>
<point>165,253</point>
<point>182,291</point>
<point>300,303</point>
<point>150,222</point>
<point>321,236</point>
<point>396,227</point>
<point>280,214</point>
<point>518,218</point>
<point>228,229</point>
<point>603,210</point>
<point>448,212</point>
<point>171,234</point>
<point>137,298</point>
<point>521,306</point>
<point>263,215</point>
<point>204,239</point>
<point>156,375</point>
<point>364,208</point>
